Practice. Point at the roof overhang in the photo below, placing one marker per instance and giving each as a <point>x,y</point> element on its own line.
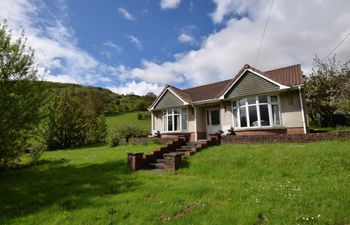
<point>281,86</point>
<point>162,94</point>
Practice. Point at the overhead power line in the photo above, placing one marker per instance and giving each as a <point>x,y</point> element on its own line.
<point>333,50</point>
<point>263,35</point>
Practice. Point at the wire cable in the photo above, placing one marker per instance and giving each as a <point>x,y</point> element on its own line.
<point>331,52</point>
<point>263,35</point>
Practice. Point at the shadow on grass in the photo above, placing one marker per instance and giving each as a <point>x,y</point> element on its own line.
<point>185,164</point>
<point>58,184</point>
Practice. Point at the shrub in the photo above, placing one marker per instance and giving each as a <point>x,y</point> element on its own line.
<point>144,116</point>
<point>115,139</point>
<point>126,131</point>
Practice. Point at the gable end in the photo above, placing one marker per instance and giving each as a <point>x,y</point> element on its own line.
<point>168,100</point>
<point>250,84</point>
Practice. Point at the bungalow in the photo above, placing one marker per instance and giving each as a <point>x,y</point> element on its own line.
<point>252,102</point>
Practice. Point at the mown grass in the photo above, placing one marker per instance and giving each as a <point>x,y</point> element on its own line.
<point>128,118</point>
<point>227,184</point>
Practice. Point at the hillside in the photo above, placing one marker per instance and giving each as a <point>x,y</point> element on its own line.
<point>128,118</point>
<point>111,103</point>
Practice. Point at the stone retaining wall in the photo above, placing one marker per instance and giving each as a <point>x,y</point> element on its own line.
<point>232,139</point>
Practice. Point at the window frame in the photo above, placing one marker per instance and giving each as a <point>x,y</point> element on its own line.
<point>166,114</point>
<point>236,106</point>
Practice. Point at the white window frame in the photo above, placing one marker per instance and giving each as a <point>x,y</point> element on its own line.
<point>172,114</point>
<point>235,105</point>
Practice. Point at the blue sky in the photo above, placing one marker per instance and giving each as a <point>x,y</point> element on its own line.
<point>156,29</point>
<point>139,46</point>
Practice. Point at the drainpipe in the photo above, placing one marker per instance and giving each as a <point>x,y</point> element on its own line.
<point>152,118</point>
<point>195,123</point>
<point>302,109</point>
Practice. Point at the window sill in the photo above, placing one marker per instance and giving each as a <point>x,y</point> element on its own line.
<point>175,132</point>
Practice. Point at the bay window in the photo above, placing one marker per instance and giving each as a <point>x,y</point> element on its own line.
<point>256,111</point>
<point>175,119</point>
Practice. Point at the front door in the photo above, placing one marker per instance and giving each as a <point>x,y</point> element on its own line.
<point>213,121</point>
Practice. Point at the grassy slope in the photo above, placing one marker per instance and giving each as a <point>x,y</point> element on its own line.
<point>228,184</point>
<point>127,118</point>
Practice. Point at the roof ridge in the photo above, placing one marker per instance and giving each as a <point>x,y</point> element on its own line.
<point>285,67</point>
<point>206,84</point>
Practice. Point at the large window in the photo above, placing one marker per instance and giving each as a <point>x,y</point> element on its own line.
<point>175,119</point>
<point>256,111</point>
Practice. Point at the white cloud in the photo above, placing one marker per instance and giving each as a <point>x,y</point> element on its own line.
<point>117,49</point>
<point>126,14</point>
<point>54,42</point>
<point>135,41</point>
<point>169,4</point>
<point>186,38</point>
<point>226,7</point>
<point>297,31</point>
<point>138,88</point>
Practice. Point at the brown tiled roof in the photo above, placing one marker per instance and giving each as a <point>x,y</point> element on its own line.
<point>288,76</point>
<point>208,91</point>
<point>181,93</point>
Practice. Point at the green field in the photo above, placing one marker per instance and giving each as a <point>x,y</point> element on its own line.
<point>128,118</point>
<point>227,184</point>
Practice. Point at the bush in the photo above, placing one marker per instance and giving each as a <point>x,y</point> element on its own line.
<point>36,152</point>
<point>143,116</point>
<point>126,131</point>
<point>115,138</point>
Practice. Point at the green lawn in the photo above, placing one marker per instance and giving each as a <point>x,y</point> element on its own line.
<point>227,184</point>
<point>128,118</point>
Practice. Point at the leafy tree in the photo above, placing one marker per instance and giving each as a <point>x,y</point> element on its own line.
<point>66,125</point>
<point>73,120</point>
<point>327,91</point>
<point>20,97</point>
<point>102,129</point>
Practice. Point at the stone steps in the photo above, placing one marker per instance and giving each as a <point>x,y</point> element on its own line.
<point>167,160</point>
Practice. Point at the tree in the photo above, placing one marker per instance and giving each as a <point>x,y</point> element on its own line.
<point>66,125</point>
<point>151,94</point>
<point>327,91</point>
<point>73,120</point>
<point>20,99</point>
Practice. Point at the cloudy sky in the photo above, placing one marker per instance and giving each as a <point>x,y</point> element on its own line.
<point>140,45</point>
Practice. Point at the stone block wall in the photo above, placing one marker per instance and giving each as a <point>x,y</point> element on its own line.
<point>232,139</point>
